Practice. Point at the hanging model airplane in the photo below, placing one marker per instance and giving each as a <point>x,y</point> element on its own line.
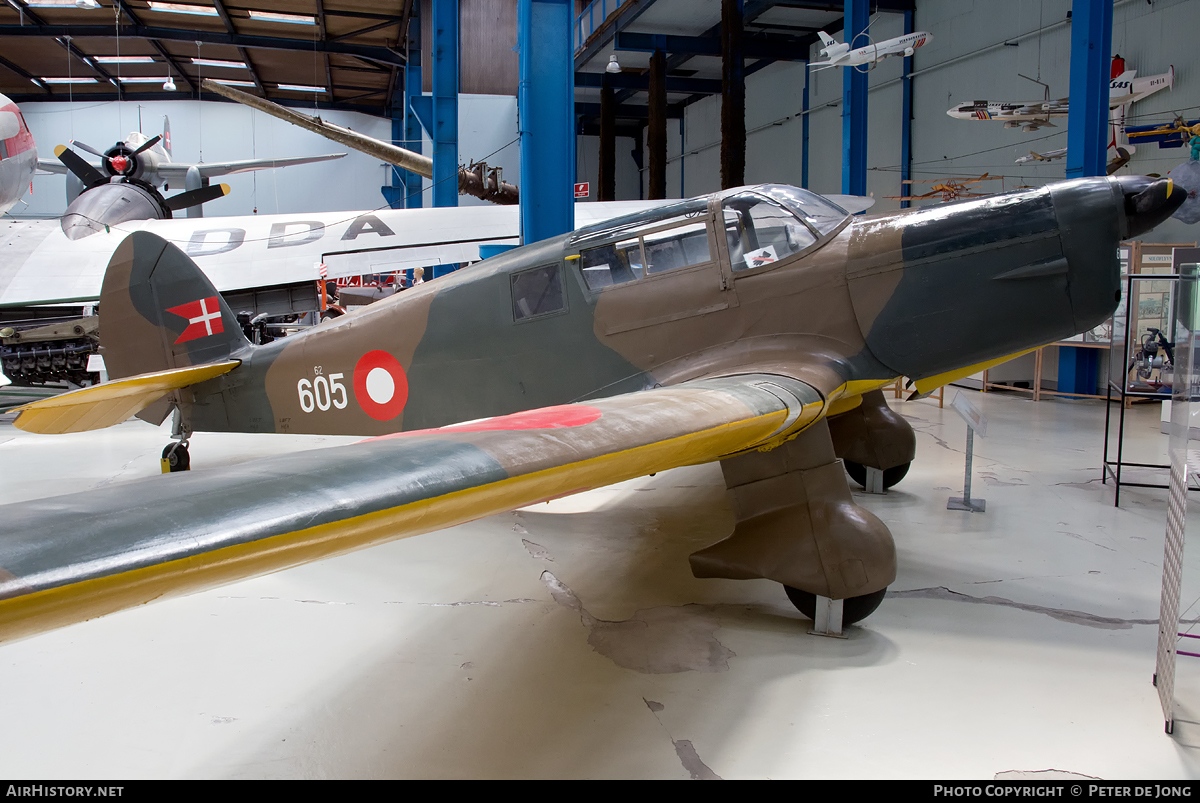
<point>1048,156</point>
<point>754,327</point>
<point>125,186</point>
<point>840,54</point>
<point>18,155</point>
<point>946,189</point>
<point>1123,90</point>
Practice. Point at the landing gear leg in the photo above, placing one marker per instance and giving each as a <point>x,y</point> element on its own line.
<point>175,456</point>
<point>797,524</point>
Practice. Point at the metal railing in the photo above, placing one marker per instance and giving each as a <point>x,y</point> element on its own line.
<point>592,18</point>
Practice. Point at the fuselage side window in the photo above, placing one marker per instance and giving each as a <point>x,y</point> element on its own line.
<point>537,292</point>
<point>614,263</point>
<point>760,232</point>
<point>679,247</point>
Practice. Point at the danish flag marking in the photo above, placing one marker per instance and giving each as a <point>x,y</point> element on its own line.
<point>203,316</point>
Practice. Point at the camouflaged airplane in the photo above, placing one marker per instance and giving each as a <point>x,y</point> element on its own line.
<point>754,327</point>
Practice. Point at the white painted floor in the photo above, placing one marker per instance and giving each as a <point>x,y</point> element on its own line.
<point>570,640</point>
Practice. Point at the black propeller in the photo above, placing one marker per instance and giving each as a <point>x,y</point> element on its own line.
<point>148,144</point>
<point>192,197</point>
<point>85,147</point>
<point>89,175</point>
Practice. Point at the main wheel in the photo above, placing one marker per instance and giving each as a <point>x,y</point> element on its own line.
<point>891,476</point>
<point>177,457</point>
<point>854,609</point>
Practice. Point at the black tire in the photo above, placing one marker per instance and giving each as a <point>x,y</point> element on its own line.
<point>179,459</point>
<point>854,609</point>
<point>891,476</point>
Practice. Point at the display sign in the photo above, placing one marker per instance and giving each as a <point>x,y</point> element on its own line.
<point>974,417</point>
<point>583,190</point>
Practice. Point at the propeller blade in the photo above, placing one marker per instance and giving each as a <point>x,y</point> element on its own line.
<point>148,144</point>
<point>83,146</point>
<point>89,175</point>
<point>192,197</point>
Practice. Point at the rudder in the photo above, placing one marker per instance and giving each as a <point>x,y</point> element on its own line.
<point>159,311</point>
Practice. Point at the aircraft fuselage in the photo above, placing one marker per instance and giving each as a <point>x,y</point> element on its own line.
<point>918,293</point>
<point>18,155</point>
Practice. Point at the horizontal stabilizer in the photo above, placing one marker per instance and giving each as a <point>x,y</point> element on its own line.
<point>112,402</point>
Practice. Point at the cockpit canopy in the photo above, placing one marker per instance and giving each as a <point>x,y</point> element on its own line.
<point>762,225</point>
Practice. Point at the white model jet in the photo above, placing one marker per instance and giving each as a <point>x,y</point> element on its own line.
<point>840,54</point>
<point>1126,88</point>
<point>18,155</point>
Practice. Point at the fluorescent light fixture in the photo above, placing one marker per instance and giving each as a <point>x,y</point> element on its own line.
<point>300,88</point>
<point>140,79</point>
<point>72,80</point>
<point>124,59</point>
<point>240,65</point>
<point>87,5</point>
<point>183,8</point>
<point>271,16</point>
<point>230,82</point>
<point>51,4</point>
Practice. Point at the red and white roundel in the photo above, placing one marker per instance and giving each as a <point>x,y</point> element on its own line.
<point>380,385</point>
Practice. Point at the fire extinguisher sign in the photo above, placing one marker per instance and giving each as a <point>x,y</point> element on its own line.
<point>582,190</point>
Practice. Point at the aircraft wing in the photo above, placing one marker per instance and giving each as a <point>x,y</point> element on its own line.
<point>55,166</point>
<point>177,171</point>
<point>70,558</point>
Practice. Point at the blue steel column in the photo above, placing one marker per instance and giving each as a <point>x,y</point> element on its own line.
<point>412,126</point>
<point>1087,119</point>
<point>804,130</point>
<point>854,106</point>
<point>445,103</point>
<point>906,116</point>
<point>546,112</point>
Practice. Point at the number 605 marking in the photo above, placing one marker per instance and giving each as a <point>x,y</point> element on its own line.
<point>321,392</point>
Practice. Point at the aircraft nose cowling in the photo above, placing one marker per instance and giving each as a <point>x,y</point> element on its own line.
<point>108,205</point>
<point>982,279</point>
<point>1148,202</point>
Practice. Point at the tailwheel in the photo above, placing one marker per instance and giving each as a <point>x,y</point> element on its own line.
<point>854,609</point>
<point>175,457</point>
<point>891,476</point>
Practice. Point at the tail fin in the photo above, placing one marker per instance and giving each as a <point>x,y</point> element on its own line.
<point>166,135</point>
<point>826,40</point>
<point>160,312</point>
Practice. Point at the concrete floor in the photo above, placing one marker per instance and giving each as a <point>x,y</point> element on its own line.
<point>570,640</point>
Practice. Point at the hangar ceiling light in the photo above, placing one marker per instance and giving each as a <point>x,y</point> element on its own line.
<point>271,16</point>
<point>124,59</point>
<point>240,65</point>
<point>183,8</point>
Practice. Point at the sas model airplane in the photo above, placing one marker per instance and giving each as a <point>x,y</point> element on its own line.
<point>1126,88</point>
<point>18,155</point>
<point>752,327</point>
<point>840,54</point>
<point>125,186</point>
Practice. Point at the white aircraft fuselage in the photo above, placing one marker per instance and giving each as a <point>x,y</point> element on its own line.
<point>840,54</point>
<point>18,155</point>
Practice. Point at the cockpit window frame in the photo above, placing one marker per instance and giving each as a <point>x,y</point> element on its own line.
<point>718,214</point>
